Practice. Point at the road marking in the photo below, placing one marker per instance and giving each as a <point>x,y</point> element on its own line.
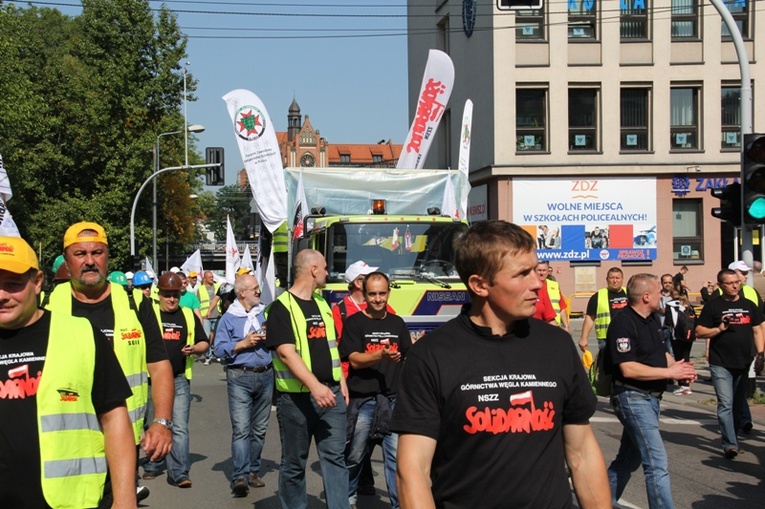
<point>664,420</point>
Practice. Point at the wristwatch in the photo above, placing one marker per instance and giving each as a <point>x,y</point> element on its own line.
<point>164,422</point>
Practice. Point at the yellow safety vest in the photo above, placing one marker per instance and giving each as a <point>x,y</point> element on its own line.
<point>205,298</point>
<point>188,314</point>
<point>129,347</point>
<point>280,239</point>
<point>603,314</point>
<point>72,457</point>
<point>553,290</point>
<point>285,380</point>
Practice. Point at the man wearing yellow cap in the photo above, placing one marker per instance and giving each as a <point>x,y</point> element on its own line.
<point>58,431</point>
<point>135,336</point>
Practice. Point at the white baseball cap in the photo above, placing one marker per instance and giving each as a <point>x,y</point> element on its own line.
<point>129,275</point>
<point>739,265</point>
<point>175,270</point>
<point>357,269</point>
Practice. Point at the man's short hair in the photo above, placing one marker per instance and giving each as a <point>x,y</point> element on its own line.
<point>372,275</point>
<point>638,285</point>
<point>614,270</point>
<point>483,247</point>
<point>725,272</point>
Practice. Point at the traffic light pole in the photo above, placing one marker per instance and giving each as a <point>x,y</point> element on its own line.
<point>746,117</point>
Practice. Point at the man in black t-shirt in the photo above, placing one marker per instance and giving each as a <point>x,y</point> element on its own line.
<point>491,403</point>
<point>184,336</point>
<point>374,342</point>
<point>313,395</point>
<point>602,307</point>
<point>731,326</point>
<point>90,295</point>
<point>29,347</point>
<point>641,365</point>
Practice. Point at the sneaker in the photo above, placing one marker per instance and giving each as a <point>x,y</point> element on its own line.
<point>141,493</point>
<point>183,483</point>
<point>731,453</point>
<point>240,488</point>
<point>149,475</point>
<point>683,391</point>
<point>747,427</point>
<point>255,481</point>
<point>366,490</point>
<point>207,362</point>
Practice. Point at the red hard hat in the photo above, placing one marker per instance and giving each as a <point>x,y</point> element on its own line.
<point>170,281</point>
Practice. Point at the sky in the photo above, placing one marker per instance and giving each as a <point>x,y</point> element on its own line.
<point>344,61</point>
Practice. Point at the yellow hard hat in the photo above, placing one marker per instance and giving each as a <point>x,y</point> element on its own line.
<point>587,359</point>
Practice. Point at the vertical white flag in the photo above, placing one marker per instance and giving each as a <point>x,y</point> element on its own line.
<point>260,152</point>
<point>193,262</point>
<point>301,209</point>
<point>267,280</point>
<point>247,259</point>
<point>449,204</point>
<point>8,227</point>
<point>232,253</point>
<point>150,269</point>
<point>466,133</point>
<point>437,83</point>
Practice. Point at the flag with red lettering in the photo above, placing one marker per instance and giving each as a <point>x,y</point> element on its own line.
<point>256,136</point>
<point>301,209</point>
<point>449,204</point>
<point>232,253</point>
<point>395,242</point>
<point>466,133</point>
<point>8,227</point>
<point>437,83</point>
<point>408,239</point>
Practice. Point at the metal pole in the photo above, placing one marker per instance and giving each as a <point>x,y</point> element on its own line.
<point>143,186</point>
<point>154,208</point>
<point>747,243</point>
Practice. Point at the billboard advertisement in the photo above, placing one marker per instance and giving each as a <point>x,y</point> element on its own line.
<point>588,220</point>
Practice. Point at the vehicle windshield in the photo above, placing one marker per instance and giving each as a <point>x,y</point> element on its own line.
<point>401,250</point>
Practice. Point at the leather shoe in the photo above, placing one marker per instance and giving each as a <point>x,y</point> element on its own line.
<point>255,481</point>
<point>240,487</point>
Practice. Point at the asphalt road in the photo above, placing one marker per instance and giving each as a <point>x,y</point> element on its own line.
<point>701,478</point>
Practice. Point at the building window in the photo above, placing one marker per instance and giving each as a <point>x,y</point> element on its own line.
<point>582,19</point>
<point>740,13</point>
<point>530,25</point>
<point>685,19</point>
<point>687,227</point>
<point>531,120</point>
<point>633,19</point>
<point>583,119</point>
<point>730,118</point>
<point>684,117</point>
<point>635,108</point>
<point>345,158</point>
<point>376,158</point>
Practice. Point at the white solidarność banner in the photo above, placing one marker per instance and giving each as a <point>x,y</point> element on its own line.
<point>260,153</point>
<point>575,219</point>
<point>434,95</point>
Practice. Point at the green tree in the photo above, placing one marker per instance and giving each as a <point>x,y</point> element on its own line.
<point>232,201</point>
<point>83,100</point>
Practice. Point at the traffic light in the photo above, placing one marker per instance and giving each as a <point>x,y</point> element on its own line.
<point>215,176</point>
<point>730,203</point>
<point>753,178</point>
<point>514,5</point>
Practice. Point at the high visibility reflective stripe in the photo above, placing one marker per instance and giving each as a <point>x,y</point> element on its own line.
<point>335,363</point>
<point>138,379</point>
<point>285,375</point>
<point>74,466</point>
<point>332,343</point>
<point>69,422</point>
<point>137,414</point>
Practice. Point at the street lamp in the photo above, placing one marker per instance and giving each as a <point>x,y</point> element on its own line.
<point>194,128</point>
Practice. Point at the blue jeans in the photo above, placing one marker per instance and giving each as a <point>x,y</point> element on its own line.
<point>210,325</point>
<point>178,461</point>
<point>249,406</point>
<point>730,389</point>
<point>641,444</point>
<point>357,450</point>
<point>300,419</point>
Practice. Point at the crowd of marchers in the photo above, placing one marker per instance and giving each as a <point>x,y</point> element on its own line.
<point>98,367</point>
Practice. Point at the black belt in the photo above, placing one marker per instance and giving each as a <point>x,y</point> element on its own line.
<point>657,394</point>
<point>331,384</point>
<point>256,369</point>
